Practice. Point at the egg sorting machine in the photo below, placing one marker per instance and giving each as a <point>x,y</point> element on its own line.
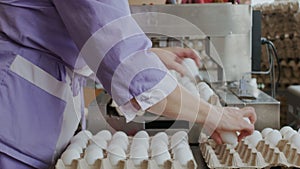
<point>222,34</point>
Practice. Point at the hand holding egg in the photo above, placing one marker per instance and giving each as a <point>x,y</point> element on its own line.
<point>232,120</point>
<point>230,137</point>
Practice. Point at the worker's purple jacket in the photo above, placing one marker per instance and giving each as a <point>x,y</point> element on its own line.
<point>40,42</point>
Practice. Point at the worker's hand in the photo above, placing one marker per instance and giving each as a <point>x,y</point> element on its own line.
<point>173,57</point>
<point>233,120</point>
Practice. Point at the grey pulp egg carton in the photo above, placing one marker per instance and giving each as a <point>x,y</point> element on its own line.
<point>81,162</point>
<point>245,155</point>
<point>127,164</point>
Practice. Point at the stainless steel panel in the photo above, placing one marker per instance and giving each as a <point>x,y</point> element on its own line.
<point>293,113</point>
<point>212,19</point>
<point>235,55</point>
<point>228,26</point>
<point>266,107</point>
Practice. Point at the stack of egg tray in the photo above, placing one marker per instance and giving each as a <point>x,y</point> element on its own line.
<point>246,156</point>
<point>105,163</point>
<point>280,23</point>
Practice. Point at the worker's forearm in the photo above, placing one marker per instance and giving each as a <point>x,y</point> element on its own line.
<point>180,104</point>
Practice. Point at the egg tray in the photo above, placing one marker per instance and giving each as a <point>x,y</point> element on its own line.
<point>128,164</point>
<point>246,156</point>
<point>124,164</point>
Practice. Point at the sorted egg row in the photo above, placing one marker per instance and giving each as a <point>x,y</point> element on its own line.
<point>268,148</point>
<point>120,147</point>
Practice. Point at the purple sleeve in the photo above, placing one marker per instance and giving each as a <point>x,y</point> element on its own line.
<point>84,17</point>
<point>115,47</point>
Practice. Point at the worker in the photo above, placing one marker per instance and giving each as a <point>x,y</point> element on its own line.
<point>48,47</point>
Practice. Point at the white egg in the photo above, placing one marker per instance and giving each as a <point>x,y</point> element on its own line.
<point>247,120</point>
<point>160,155</point>
<point>116,154</point>
<point>141,134</point>
<point>92,146</point>
<point>81,142</point>
<point>274,137</point>
<point>112,146</point>
<point>92,155</point>
<point>140,142</point>
<point>120,135</point>
<point>265,132</point>
<point>76,138</point>
<point>75,146</point>
<point>141,138</point>
<point>161,136</point>
<point>299,130</point>
<point>138,155</point>
<point>179,137</point>
<point>205,91</point>
<point>173,73</point>
<point>73,139</point>
<point>101,142</point>
<point>157,142</point>
<point>183,155</point>
<point>69,155</point>
<point>289,134</point>
<point>120,143</point>
<point>254,138</point>
<point>192,88</point>
<point>82,135</point>
<point>229,137</point>
<point>285,129</point>
<point>295,140</point>
<point>182,144</point>
<point>191,66</point>
<point>105,134</point>
<point>184,80</point>
<point>158,149</point>
<point>86,134</point>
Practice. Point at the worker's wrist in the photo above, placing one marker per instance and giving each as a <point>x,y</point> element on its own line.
<point>211,118</point>
<point>204,109</point>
